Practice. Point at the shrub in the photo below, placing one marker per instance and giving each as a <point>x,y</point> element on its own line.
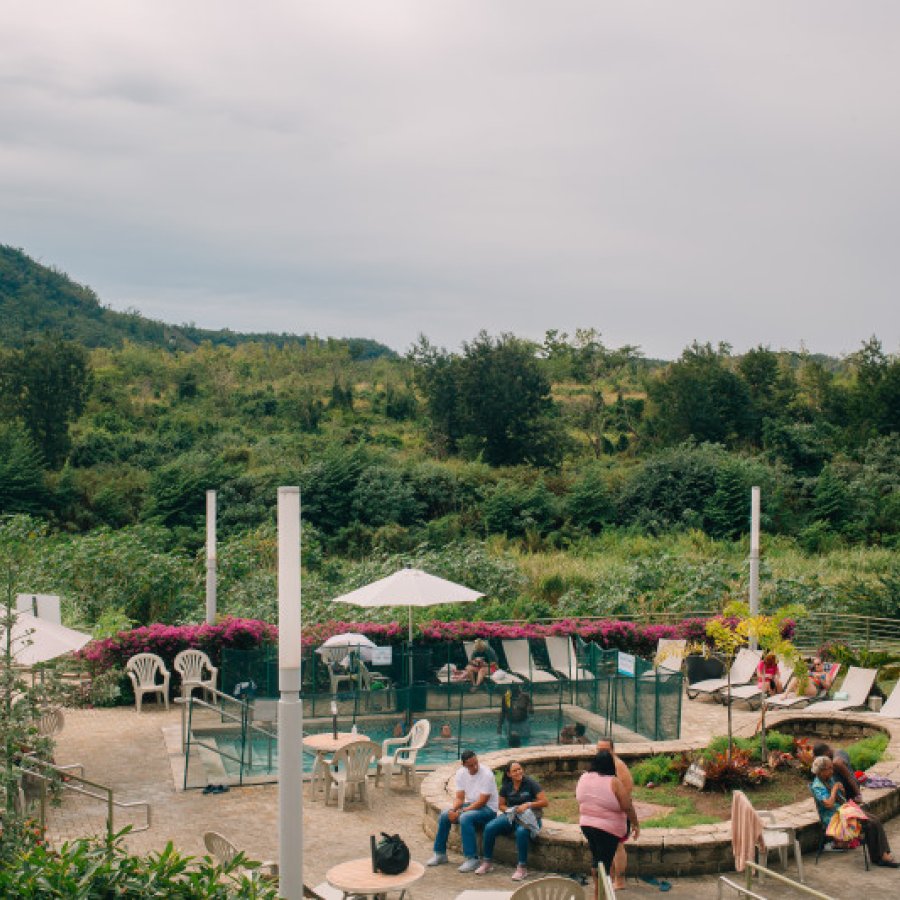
<point>169,640</point>
<point>656,769</point>
<point>90,868</point>
<point>865,753</point>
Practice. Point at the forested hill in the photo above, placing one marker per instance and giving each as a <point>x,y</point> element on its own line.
<point>36,300</point>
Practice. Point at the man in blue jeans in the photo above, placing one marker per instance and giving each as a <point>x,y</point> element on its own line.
<point>475,805</point>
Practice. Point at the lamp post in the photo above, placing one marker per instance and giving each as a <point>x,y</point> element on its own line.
<point>210,556</point>
<point>290,708</point>
<point>754,557</point>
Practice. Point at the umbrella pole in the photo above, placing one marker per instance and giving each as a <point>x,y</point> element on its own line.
<point>409,685</point>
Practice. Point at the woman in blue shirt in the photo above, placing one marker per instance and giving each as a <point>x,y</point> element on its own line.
<point>829,795</point>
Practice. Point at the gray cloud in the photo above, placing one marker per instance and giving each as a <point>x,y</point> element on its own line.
<point>660,171</point>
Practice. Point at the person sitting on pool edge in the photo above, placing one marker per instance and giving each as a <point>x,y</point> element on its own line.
<point>481,664</point>
<point>475,804</point>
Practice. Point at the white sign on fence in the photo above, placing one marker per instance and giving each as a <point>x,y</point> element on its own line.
<point>626,664</point>
<point>382,656</point>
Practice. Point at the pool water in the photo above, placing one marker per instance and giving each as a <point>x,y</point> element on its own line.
<point>479,733</point>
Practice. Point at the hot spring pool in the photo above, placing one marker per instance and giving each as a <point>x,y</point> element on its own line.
<point>479,733</point>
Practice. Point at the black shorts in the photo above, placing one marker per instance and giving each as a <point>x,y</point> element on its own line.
<point>603,845</point>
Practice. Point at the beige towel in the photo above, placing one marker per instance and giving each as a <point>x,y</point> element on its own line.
<point>746,830</point>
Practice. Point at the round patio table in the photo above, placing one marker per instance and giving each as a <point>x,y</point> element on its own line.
<point>356,877</point>
<point>325,745</point>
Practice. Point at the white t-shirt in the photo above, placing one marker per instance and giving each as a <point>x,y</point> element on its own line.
<point>473,786</point>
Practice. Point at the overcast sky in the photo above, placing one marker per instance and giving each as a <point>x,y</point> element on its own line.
<point>662,172</point>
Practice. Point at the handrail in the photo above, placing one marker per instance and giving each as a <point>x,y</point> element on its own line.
<point>65,779</point>
<point>777,876</point>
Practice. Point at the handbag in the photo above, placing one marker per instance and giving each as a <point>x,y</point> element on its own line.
<point>391,855</point>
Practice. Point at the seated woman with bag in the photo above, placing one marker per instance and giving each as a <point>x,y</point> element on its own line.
<point>521,802</point>
<point>840,819</point>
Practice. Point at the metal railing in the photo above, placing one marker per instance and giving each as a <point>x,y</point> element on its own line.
<point>752,867</point>
<point>53,778</point>
<point>813,630</point>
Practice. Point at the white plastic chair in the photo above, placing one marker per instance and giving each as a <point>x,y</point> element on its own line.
<point>518,656</point>
<point>190,665</point>
<point>403,755</point>
<point>553,887</point>
<point>50,722</point>
<point>332,656</point>
<point>223,852</point>
<point>348,772</point>
<point>143,669</point>
<point>779,838</point>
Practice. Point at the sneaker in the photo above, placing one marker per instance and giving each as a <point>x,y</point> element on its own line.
<point>437,859</point>
<point>485,867</point>
<point>470,865</point>
<point>520,874</point>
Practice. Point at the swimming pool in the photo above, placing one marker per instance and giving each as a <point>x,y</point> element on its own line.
<point>478,733</point>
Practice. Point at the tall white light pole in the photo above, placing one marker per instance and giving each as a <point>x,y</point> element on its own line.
<point>290,709</point>
<point>210,556</point>
<point>754,557</point>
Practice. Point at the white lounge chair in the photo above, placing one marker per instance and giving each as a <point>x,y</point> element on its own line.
<point>790,699</point>
<point>501,676</point>
<point>196,671</point>
<point>563,659</point>
<point>669,656</point>
<point>348,771</point>
<point>143,670</point>
<point>752,693</point>
<point>400,754</point>
<point>857,685</point>
<point>743,669</point>
<point>518,657</point>
<point>891,707</point>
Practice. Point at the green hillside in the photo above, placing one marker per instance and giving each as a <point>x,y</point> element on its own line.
<point>37,299</point>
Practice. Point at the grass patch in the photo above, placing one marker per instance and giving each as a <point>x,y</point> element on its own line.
<point>866,752</point>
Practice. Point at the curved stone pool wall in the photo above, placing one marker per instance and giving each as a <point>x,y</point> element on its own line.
<point>703,849</point>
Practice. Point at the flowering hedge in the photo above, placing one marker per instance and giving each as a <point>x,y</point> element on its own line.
<point>246,634</point>
<point>169,640</point>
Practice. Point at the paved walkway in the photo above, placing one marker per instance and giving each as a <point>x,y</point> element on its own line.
<point>125,750</point>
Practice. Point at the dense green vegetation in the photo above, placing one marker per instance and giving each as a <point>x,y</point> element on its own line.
<point>561,478</point>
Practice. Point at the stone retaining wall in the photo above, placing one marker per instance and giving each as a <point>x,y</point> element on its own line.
<point>703,849</point>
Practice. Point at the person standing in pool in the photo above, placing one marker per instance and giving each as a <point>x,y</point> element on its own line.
<point>515,708</point>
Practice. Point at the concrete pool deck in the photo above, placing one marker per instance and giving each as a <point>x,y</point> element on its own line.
<point>127,751</point>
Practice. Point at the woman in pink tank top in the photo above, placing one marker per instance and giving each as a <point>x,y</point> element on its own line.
<point>602,802</point>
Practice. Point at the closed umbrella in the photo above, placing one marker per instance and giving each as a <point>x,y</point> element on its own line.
<point>410,588</point>
<point>37,640</point>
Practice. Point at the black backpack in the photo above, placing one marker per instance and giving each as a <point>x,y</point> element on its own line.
<point>390,855</point>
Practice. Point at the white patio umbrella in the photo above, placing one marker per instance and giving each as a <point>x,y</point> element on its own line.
<point>349,640</point>
<point>37,640</point>
<point>410,588</point>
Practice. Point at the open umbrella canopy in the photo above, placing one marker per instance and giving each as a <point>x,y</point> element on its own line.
<point>349,640</point>
<point>37,640</point>
<point>410,587</point>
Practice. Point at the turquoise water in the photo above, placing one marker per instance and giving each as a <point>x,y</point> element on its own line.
<point>479,733</point>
